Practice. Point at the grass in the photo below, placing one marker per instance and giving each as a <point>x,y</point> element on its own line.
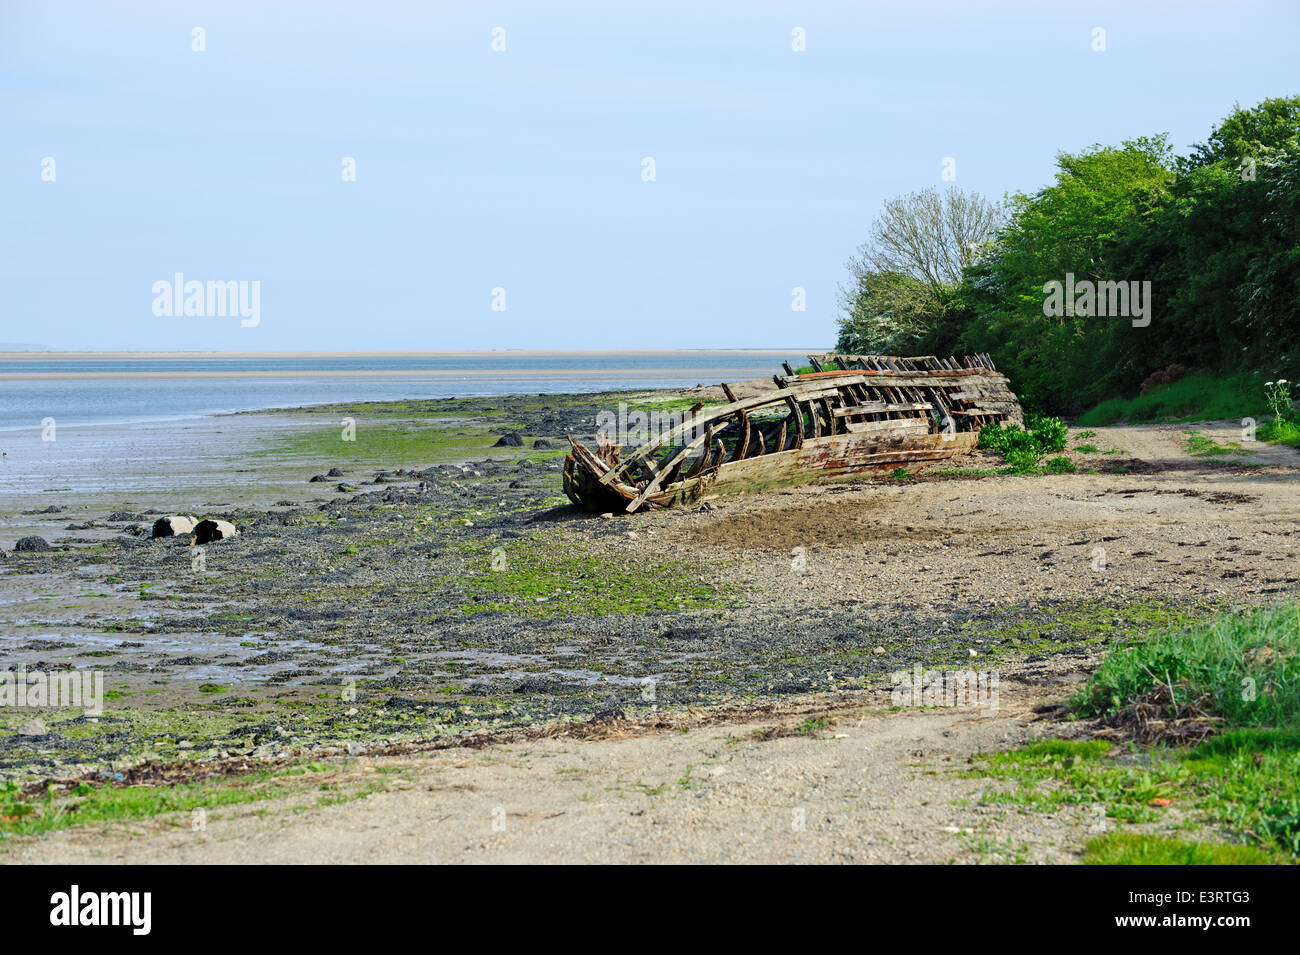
<point>1248,785</point>
<point>1129,848</point>
<point>1279,431</point>
<point>1241,668</point>
<point>1201,446</point>
<point>1247,665</point>
<point>107,803</point>
<point>89,804</point>
<point>1194,398</point>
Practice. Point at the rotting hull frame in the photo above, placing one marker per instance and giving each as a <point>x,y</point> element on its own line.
<point>874,413</point>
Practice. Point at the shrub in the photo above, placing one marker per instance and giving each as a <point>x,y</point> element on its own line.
<point>1059,465</point>
<point>1022,462</point>
<point>1050,434</point>
<point>1022,449</point>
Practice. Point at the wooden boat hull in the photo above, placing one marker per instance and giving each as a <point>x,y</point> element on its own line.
<point>858,420</point>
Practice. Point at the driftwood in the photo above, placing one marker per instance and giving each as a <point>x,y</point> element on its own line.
<point>855,414</point>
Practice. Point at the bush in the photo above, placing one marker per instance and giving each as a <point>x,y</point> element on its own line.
<point>1022,462</point>
<point>1023,449</point>
<point>1060,465</point>
<point>1049,433</point>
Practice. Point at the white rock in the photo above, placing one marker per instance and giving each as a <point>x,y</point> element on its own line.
<point>173,525</point>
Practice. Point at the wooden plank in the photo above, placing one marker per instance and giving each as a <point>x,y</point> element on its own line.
<point>721,411</point>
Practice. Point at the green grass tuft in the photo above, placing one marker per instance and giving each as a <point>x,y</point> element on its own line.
<point>1249,665</point>
<point>1128,848</point>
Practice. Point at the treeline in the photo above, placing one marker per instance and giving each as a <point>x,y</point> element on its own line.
<point>1216,234</point>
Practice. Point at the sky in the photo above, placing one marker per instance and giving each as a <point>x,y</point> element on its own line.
<point>502,197</point>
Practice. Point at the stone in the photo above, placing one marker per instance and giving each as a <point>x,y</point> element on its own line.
<point>173,525</point>
<point>33,727</point>
<point>210,530</point>
<point>509,441</point>
<point>32,544</point>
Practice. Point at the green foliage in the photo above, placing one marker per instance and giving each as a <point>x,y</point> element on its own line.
<point>1216,233</point>
<point>1278,395</point>
<point>1247,782</point>
<point>889,314</point>
<point>1249,133</point>
<point>1195,398</point>
<point>1022,450</point>
<point>1279,431</point>
<point>1059,465</point>
<point>1005,438</point>
<point>1247,666</point>
<point>1050,434</point>
<point>1022,461</point>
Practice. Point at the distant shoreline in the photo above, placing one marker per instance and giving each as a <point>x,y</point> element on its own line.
<point>469,353</point>
<point>445,373</point>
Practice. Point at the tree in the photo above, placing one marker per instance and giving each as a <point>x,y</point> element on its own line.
<point>1252,133</point>
<point>906,274</point>
<point>1067,228</point>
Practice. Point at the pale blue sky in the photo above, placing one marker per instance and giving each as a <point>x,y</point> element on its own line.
<point>522,169</point>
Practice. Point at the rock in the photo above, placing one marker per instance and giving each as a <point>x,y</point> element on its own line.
<point>318,479</point>
<point>346,488</point>
<point>542,443</point>
<point>334,472</point>
<point>509,441</point>
<point>123,516</point>
<point>32,544</point>
<point>210,530</point>
<point>173,525</point>
<point>33,727</point>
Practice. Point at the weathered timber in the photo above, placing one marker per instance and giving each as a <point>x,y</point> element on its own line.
<point>855,414</point>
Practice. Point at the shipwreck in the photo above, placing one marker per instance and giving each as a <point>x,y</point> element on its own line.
<point>853,414</point>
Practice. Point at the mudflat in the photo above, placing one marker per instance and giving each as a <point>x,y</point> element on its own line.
<point>425,633</point>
